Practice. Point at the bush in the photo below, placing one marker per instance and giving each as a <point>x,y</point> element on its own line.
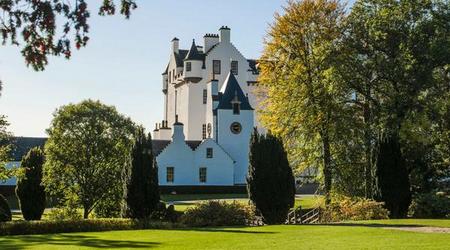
<point>67,213</point>
<point>89,225</point>
<point>29,189</point>
<point>430,205</point>
<point>218,213</point>
<point>345,208</point>
<point>5,211</point>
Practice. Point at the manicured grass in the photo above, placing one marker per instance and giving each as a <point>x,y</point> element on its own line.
<point>334,237</point>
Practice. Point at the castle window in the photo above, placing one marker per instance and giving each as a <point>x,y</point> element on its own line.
<point>205,96</point>
<point>234,67</point>
<point>204,131</point>
<point>236,108</point>
<point>170,174</point>
<point>188,66</point>
<point>216,67</point>
<point>209,153</point>
<point>173,74</point>
<point>170,76</point>
<point>202,175</point>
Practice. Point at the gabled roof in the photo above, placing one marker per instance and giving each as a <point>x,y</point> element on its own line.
<point>159,145</point>
<point>193,53</point>
<point>231,91</point>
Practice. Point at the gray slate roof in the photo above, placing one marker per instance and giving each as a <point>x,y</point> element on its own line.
<point>193,53</point>
<point>179,57</point>
<point>21,146</point>
<point>159,145</point>
<point>232,89</point>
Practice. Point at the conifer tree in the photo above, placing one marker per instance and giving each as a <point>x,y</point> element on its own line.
<point>142,195</point>
<point>29,188</point>
<point>393,181</point>
<point>270,182</point>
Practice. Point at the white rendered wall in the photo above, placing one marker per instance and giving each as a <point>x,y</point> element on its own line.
<point>220,168</point>
<point>236,145</point>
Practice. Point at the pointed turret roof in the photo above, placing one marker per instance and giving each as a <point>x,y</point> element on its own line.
<point>231,92</point>
<point>193,53</point>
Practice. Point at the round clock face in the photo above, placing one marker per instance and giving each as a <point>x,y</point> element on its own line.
<point>236,127</point>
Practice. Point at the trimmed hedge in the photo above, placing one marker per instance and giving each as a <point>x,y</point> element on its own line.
<point>91,225</point>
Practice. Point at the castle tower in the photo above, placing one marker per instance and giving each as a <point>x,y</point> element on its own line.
<point>234,125</point>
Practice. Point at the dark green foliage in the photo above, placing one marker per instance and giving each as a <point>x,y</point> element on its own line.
<point>5,211</point>
<point>217,213</point>
<point>90,225</point>
<point>36,22</point>
<point>393,180</point>
<point>29,188</point>
<point>142,188</point>
<point>270,181</point>
<point>430,205</point>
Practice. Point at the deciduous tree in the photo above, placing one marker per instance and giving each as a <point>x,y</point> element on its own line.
<point>304,102</point>
<point>87,150</point>
<point>36,22</point>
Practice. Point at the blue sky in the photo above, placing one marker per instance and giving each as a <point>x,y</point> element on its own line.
<point>123,61</point>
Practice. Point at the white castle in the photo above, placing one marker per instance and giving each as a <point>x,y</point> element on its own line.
<point>208,114</point>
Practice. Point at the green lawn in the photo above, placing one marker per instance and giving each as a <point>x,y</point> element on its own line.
<point>362,236</point>
<point>182,202</point>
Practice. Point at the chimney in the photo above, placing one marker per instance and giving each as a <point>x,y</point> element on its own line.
<point>209,41</point>
<point>224,34</point>
<point>178,134</point>
<point>175,45</point>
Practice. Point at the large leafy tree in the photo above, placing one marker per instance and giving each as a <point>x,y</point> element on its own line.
<point>303,99</point>
<point>270,182</point>
<point>395,55</point>
<point>33,25</point>
<point>87,151</point>
<point>29,188</point>
<point>142,195</point>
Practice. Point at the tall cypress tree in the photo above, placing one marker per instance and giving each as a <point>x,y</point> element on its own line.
<point>393,180</point>
<point>29,188</point>
<point>270,182</point>
<point>142,194</point>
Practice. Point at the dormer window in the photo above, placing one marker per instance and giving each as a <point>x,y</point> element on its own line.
<point>188,66</point>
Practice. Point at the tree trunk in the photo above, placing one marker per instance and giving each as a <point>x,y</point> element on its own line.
<point>85,213</point>
<point>368,192</point>
<point>326,165</point>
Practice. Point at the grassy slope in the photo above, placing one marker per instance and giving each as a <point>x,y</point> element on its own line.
<point>268,237</point>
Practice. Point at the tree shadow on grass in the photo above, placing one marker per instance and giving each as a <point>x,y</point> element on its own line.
<point>27,241</point>
<point>224,230</point>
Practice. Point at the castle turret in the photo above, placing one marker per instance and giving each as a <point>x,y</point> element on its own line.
<point>193,64</point>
